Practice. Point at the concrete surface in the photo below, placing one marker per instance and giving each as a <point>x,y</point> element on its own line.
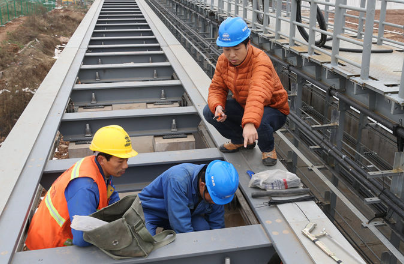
<point>171,144</point>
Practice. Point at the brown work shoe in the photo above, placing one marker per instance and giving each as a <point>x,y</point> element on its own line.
<point>269,158</point>
<point>231,148</point>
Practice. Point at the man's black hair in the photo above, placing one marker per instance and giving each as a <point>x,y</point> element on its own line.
<point>245,42</point>
<point>201,174</point>
<point>105,155</point>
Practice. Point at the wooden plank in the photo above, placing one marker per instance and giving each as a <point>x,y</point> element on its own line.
<point>321,58</point>
<point>300,49</point>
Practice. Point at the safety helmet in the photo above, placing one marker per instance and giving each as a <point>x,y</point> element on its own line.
<point>113,140</point>
<point>232,32</point>
<point>221,179</point>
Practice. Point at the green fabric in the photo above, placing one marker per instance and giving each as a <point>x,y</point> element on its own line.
<point>125,235</point>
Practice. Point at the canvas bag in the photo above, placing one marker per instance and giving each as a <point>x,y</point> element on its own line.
<point>125,235</point>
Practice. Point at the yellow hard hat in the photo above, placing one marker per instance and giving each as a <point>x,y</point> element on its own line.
<point>113,140</point>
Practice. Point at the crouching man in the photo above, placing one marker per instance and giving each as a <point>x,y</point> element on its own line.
<point>81,190</point>
<point>189,197</point>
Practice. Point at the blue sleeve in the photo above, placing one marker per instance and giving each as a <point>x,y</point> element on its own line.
<point>216,218</point>
<point>82,198</point>
<point>176,200</point>
<point>114,196</point>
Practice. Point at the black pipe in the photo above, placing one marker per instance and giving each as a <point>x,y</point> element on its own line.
<point>332,91</point>
<point>385,195</point>
<point>322,24</point>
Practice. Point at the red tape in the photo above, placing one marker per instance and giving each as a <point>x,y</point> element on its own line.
<point>285,183</point>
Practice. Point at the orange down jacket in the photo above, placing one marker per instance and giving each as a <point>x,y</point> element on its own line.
<point>50,226</point>
<point>254,84</point>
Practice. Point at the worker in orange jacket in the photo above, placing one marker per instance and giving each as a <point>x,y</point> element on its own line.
<point>81,190</point>
<point>259,105</point>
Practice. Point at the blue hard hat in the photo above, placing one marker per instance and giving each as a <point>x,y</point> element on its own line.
<point>222,181</point>
<point>232,32</point>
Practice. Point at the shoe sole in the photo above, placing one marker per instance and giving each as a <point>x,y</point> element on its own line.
<point>225,150</point>
<point>271,162</point>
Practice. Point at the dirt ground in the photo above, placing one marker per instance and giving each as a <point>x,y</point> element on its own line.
<point>392,16</point>
<point>27,48</point>
<point>10,27</point>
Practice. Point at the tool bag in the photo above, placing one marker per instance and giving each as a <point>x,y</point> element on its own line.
<point>125,235</point>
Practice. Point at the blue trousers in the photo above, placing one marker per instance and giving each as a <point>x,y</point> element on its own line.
<point>198,222</point>
<point>272,120</point>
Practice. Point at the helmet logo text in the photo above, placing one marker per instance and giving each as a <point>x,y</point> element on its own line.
<point>226,37</point>
<point>127,141</point>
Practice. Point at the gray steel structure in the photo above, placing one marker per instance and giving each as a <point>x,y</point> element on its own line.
<point>366,85</point>
<point>118,55</point>
<point>76,76</point>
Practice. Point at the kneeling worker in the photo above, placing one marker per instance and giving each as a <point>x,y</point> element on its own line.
<point>81,190</point>
<point>189,197</point>
<point>259,105</point>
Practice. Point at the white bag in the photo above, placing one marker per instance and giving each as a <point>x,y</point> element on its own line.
<point>86,223</point>
<point>274,180</point>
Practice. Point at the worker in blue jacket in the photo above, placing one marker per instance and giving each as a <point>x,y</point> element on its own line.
<point>189,197</point>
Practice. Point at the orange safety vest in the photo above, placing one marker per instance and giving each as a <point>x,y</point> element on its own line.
<point>50,226</point>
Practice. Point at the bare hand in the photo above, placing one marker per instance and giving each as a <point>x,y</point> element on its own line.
<point>220,116</point>
<point>250,134</point>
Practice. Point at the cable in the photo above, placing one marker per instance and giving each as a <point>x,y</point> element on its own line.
<point>320,20</point>
<point>322,24</point>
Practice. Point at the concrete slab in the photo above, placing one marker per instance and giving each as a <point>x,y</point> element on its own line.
<point>172,144</point>
<point>129,106</point>
<point>79,150</point>
<point>176,104</point>
<point>142,144</point>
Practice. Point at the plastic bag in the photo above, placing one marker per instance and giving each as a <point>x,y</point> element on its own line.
<point>274,180</point>
<point>86,223</point>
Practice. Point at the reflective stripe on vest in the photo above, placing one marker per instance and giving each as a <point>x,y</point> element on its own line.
<point>52,210</point>
<point>76,169</point>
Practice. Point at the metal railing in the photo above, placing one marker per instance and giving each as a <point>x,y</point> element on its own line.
<point>263,15</point>
<point>10,9</point>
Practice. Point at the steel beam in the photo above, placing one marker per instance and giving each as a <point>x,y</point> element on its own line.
<point>104,39</point>
<point>123,48</point>
<point>143,168</point>
<point>121,26</point>
<point>139,122</point>
<point>122,32</point>
<point>244,244</point>
<point>119,13</point>
<point>124,57</point>
<point>114,21</point>
<point>120,16</point>
<point>126,72</point>
<point>127,92</point>
<point>120,8</point>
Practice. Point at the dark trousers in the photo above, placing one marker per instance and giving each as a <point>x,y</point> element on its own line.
<point>231,128</point>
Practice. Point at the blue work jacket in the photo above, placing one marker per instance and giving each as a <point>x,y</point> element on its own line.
<point>174,195</point>
<point>82,198</point>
